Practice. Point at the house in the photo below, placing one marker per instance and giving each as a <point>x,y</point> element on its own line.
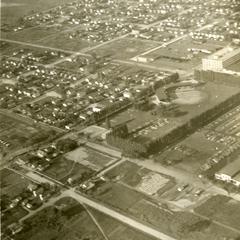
<point>31,187</point>
<point>87,185</point>
<point>15,228</point>
<point>22,160</point>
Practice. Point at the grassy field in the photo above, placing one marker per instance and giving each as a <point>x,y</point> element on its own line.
<point>128,173</point>
<point>31,35</point>
<point>7,48</point>
<point>125,48</point>
<point>62,169</point>
<point>222,209</point>
<point>12,184</point>
<point>62,41</point>
<point>68,221</point>
<point>142,179</point>
<point>181,225</point>
<point>116,230</point>
<point>180,49</point>
<point>89,158</point>
<point>117,196</point>
<point>19,133</point>
<point>13,216</point>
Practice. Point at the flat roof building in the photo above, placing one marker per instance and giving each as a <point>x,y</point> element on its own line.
<point>230,173</point>
<point>221,59</point>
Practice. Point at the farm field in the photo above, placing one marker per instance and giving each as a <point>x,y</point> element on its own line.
<point>222,209</point>
<point>179,224</point>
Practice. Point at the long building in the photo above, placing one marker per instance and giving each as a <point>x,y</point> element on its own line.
<point>221,59</point>
<point>230,173</point>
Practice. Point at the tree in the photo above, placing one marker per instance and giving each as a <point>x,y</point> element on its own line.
<point>66,144</point>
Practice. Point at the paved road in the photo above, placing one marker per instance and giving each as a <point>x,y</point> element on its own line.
<point>120,217</point>
<point>184,177</point>
<point>144,65</point>
<point>96,222</point>
<point>50,202</point>
<point>116,163</point>
<point>70,192</point>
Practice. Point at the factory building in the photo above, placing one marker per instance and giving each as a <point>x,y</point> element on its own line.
<point>221,59</point>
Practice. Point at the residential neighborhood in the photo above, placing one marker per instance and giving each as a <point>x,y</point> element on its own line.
<point>120,120</point>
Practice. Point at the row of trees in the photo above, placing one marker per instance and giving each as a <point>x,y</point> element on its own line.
<point>128,146</point>
<point>121,138</point>
<point>110,109</point>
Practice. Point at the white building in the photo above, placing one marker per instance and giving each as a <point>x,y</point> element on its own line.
<point>230,173</point>
<point>142,59</point>
<point>221,59</point>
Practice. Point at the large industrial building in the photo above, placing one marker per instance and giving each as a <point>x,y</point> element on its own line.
<point>221,59</point>
<point>230,173</point>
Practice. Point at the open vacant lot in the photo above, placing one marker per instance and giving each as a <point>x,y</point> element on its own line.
<point>67,221</point>
<point>124,48</point>
<point>12,184</point>
<point>62,41</point>
<point>117,196</point>
<point>115,230</point>
<point>180,224</point>
<point>63,169</point>
<point>19,133</point>
<point>71,220</point>
<point>90,158</point>
<point>171,55</point>
<point>222,209</point>
<point>142,179</point>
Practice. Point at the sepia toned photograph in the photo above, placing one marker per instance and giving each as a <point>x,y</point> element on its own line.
<point>120,119</point>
